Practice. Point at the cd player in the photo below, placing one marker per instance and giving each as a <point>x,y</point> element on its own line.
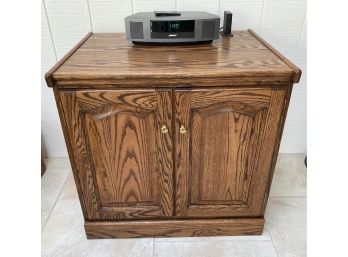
<point>172,27</point>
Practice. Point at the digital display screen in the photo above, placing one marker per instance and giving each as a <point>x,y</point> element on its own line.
<point>172,26</point>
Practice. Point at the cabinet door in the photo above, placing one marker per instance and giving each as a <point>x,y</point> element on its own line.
<point>223,160</point>
<point>122,161</point>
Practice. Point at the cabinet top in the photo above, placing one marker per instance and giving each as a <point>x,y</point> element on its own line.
<point>101,59</point>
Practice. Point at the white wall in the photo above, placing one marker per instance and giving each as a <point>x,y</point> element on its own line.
<point>281,22</point>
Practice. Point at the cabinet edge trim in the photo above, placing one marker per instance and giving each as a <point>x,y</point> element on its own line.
<point>49,75</point>
<point>296,71</point>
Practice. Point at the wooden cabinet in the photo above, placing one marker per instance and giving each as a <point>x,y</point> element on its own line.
<point>172,141</point>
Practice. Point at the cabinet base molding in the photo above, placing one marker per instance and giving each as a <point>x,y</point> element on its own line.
<point>174,228</point>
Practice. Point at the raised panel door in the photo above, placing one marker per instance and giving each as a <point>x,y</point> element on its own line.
<point>223,160</point>
<point>122,161</point>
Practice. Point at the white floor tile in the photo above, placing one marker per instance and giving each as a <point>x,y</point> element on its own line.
<point>286,222</point>
<point>69,189</point>
<point>64,235</point>
<point>58,163</point>
<point>215,249</point>
<point>51,185</point>
<point>290,176</point>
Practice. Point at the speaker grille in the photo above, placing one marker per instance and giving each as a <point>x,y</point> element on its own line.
<point>136,30</point>
<point>208,29</point>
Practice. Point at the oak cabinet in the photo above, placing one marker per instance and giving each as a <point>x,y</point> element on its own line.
<point>173,141</point>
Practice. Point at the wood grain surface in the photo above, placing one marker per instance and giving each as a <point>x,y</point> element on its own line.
<point>222,161</point>
<point>109,59</point>
<point>174,228</point>
<point>277,145</point>
<point>297,71</point>
<point>49,74</point>
<point>133,180</point>
<point>123,162</point>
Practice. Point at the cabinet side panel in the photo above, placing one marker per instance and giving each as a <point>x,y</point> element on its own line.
<point>70,152</point>
<point>82,169</point>
<point>277,145</point>
<point>268,149</point>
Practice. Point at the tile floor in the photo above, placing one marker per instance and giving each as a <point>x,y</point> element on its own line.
<point>284,234</point>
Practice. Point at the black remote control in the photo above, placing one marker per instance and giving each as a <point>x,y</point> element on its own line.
<point>167,13</point>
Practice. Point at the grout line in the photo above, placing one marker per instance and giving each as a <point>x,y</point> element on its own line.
<point>263,5</point>
<point>270,235</point>
<point>49,28</point>
<point>54,205</point>
<point>90,15</point>
<point>132,5</point>
<point>274,247</point>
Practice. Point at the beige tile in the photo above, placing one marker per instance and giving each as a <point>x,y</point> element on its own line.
<point>69,189</point>
<point>214,249</point>
<point>51,184</point>
<point>57,163</point>
<point>286,222</point>
<point>64,235</point>
<point>290,176</point>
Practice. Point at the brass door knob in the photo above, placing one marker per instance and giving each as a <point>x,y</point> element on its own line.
<point>164,129</point>
<point>183,130</point>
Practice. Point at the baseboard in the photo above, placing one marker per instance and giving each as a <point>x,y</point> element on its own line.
<point>174,228</point>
